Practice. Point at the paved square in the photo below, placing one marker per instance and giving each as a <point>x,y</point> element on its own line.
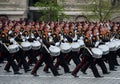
<point>27,78</point>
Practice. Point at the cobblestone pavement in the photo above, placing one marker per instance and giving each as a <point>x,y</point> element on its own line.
<point>43,78</point>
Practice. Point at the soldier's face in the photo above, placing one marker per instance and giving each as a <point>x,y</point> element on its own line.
<point>0,25</point>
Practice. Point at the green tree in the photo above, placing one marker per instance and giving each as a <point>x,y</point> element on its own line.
<point>50,10</point>
<point>101,9</point>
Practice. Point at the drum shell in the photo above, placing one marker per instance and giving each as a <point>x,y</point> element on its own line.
<point>65,47</point>
<point>81,43</point>
<point>104,48</point>
<point>117,42</point>
<point>75,46</point>
<point>36,45</point>
<point>26,46</point>
<point>13,48</point>
<point>54,51</point>
<point>97,53</point>
<point>112,46</point>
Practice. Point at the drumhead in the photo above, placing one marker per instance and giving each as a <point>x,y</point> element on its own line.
<point>75,46</point>
<point>65,47</point>
<point>117,43</point>
<point>13,48</point>
<point>104,48</point>
<point>54,51</point>
<point>112,46</point>
<point>81,43</point>
<point>25,44</point>
<point>97,53</point>
<point>36,45</point>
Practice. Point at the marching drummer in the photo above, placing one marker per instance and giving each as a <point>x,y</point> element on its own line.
<point>45,57</point>
<point>19,56</point>
<point>96,40</point>
<point>5,52</point>
<point>88,57</point>
<point>72,34</point>
<point>104,37</point>
<point>57,38</point>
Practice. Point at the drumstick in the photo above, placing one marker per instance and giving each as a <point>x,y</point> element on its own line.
<point>88,50</point>
<point>18,44</point>
<point>18,34</point>
<point>44,46</point>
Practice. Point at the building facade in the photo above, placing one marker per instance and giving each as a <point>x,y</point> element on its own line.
<point>24,9</point>
<point>13,9</point>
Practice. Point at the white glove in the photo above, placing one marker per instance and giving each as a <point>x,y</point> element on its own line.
<point>27,37</point>
<point>81,37</point>
<point>50,39</point>
<point>32,35</point>
<point>51,46</point>
<point>57,44</point>
<point>97,43</point>
<point>34,41</point>
<point>23,40</point>
<point>61,37</point>
<point>10,32</point>
<point>49,34</point>
<point>20,33</point>
<point>97,33</point>
<point>38,38</point>
<point>12,40</point>
<point>65,39</point>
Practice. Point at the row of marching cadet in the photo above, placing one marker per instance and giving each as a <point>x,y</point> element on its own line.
<point>30,45</point>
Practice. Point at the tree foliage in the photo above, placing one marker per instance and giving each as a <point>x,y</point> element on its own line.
<point>101,9</point>
<point>51,10</point>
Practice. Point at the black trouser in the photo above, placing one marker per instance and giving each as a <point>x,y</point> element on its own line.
<point>110,58</point>
<point>63,62</point>
<point>102,65</point>
<point>45,57</point>
<point>10,58</point>
<point>48,61</point>
<point>90,59</point>
<point>31,56</point>
<point>21,59</point>
<point>75,57</point>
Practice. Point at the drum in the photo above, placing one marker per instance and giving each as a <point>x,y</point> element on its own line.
<point>75,46</point>
<point>26,46</point>
<point>111,45</point>
<point>54,51</point>
<point>36,45</point>
<point>81,43</point>
<point>97,53</point>
<point>13,48</point>
<point>104,48</point>
<point>117,43</point>
<point>65,47</point>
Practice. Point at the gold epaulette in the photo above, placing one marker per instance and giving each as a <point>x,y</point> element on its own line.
<point>54,35</point>
<point>44,36</point>
<point>94,38</point>
<point>86,39</point>
<point>7,44</point>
